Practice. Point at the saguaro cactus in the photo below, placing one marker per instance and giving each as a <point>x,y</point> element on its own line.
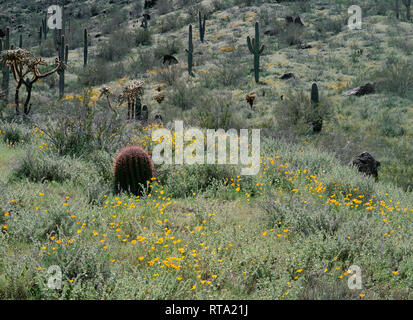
<point>61,70</point>
<point>138,108</point>
<point>20,41</point>
<point>6,70</point>
<point>85,48</point>
<point>40,35</point>
<point>145,113</point>
<point>407,4</point>
<point>133,168</point>
<point>190,52</point>
<point>66,53</point>
<point>256,49</point>
<point>202,26</point>
<point>45,29</point>
<point>317,118</point>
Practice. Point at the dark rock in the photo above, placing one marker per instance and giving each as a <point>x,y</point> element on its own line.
<point>289,19</point>
<point>298,21</point>
<point>150,4</point>
<point>168,59</point>
<point>271,32</point>
<point>366,164</point>
<point>287,76</point>
<point>147,16</point>
<point>98,35</point>
<point>158,118</point>
<point>368,88</point>
<point>303,47</point>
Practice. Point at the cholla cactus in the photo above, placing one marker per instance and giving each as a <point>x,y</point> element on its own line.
<point>132,93</point>
<point>25,69</point>
<point>107,92</point>
<point>250,97</point>
<point>160,97</point>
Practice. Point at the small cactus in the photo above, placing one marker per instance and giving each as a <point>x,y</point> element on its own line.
<point>61,71</point>
<point>256,49</point>
<point>202,26</point>
<point>190,52</point>
<point>133,168</point>
<point>45,29</point>
<point>85,48</point>
<point>317,121</point>
<point>145,113</point>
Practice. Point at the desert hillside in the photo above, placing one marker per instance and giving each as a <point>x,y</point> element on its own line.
<point>320,92</point>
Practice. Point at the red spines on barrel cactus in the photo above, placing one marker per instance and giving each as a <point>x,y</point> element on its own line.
<point>133,167</point>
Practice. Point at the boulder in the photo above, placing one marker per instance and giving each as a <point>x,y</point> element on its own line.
<point>366,164</point>
<point>368,88</point>
<point>287,76</point>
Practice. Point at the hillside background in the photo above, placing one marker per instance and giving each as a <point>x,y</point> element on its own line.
<point>205,232</point>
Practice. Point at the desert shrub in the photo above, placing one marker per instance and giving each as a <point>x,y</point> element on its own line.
<point>14,133</point>
<point>85,127</point>
<point>144,62</point>
<point>47,48</point>
<point>143,37</point>
<point>164,6</point>
<point>40,166</point>
<point>85,263</point>
<point>100,72</point>
<point>396,75</point>
<point>297,111</point>
<point>291,34</point>
<point>328,25</point>
<point>169,47</point>
<point>185,96</point>
<point>117,17</point>
<point>219,5</point>
<point>184,181</point>
<point>171,22</point>
<point>169,75</point>
<point>118,45</point>
<point>216,111</point>
<point>390,124</point>
<point>224,75</point>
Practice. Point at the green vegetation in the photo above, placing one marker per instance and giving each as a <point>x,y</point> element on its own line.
<point>204,231</point>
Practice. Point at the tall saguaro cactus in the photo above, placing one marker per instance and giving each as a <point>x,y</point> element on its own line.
<point>397,8</point>
<point>61,70</point>
<point>202,26</point>
<point>190,52</point>
<point>317,118</point>
<point>256,49</point>
<point>85,48</point>
<point>40,35</point>
<point>45,29</point>
<point>6,70</point>
<point>407,4</point>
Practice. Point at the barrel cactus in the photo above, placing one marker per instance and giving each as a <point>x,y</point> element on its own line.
<point>133,168</point>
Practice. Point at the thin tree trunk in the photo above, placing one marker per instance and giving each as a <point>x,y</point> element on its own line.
<point>397,9</point>
<point>27,107</point>
<point>16,97</point>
